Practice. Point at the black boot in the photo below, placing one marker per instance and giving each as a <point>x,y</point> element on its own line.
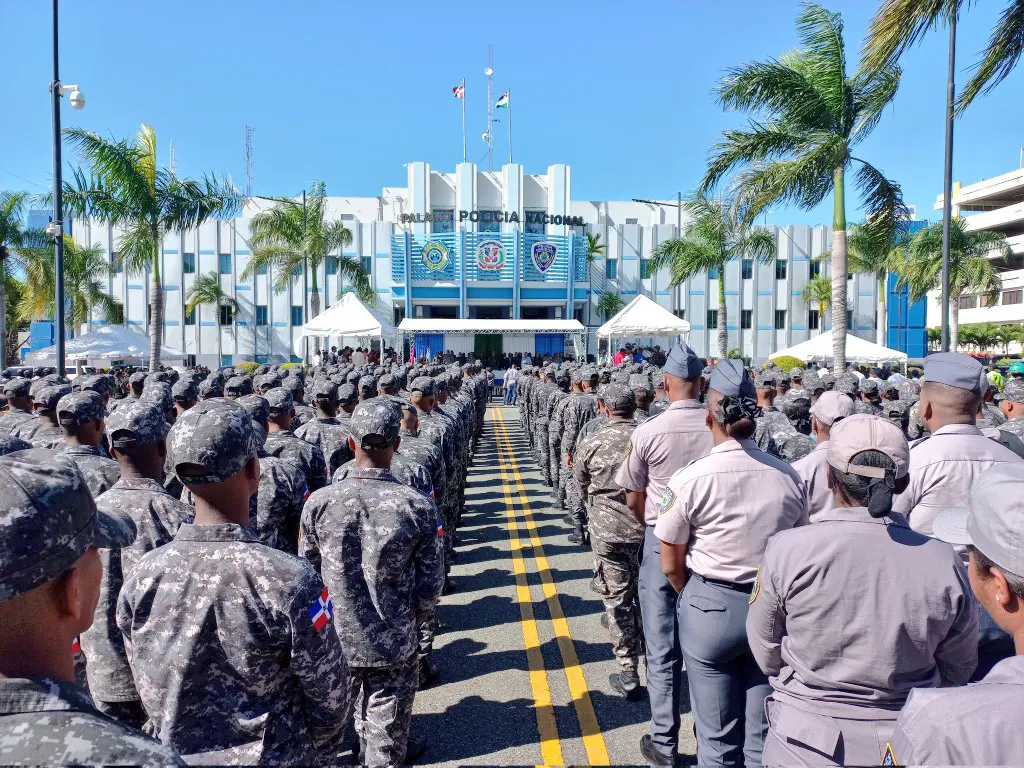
<point>417,745</point>
<point>428,672</point>
<point>626,683</point>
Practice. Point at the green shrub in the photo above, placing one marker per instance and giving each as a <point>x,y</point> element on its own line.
<point>246,369</point>
<point>293,365</point>
<point>786,362</point>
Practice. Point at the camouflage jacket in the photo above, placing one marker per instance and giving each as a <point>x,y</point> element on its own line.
<point>331,437</point>
<point>233,651</point>
<point>1014,426</point>
<point>99,471</point>
<point>409,473</point>
<point>378,546</point>
<point>11,421</point>
<point>307,456</point>
<point>594,465</point>
<point>582,408</point>
<point>424,452</point>
<point>771,430</point>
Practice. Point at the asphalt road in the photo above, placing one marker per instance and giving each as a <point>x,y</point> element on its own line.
<point>524,659</point>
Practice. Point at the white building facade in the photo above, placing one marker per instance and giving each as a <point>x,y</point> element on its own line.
<point>482,245</point>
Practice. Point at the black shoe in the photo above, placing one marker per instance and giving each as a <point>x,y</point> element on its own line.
<point>576,537</point>
<point>417,745</point>
<point>449,586</point>
<point>626,683</point>
<point>567,519</point>
<point>651,753</point>
<point>428,673</point>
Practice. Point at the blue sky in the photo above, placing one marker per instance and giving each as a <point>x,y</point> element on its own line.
<point>348,92</point>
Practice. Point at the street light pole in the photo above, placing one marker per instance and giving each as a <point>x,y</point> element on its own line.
<point>58,204</point>
<point>947,190</point>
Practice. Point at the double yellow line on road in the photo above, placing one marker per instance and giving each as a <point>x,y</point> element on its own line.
<point>590,731</point>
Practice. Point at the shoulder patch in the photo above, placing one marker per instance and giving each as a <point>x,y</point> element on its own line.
<point>321,610</point>
<point>757,587</point>
<point>667,500</point>
<point>888,758</point>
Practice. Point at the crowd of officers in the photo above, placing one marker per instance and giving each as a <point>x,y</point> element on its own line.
<point>227,568</point>
<point>829,559</point>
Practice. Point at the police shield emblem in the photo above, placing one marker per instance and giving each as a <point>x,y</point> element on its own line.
<point>435,256</point>
<point>544,255</point>
<point>490,255</point>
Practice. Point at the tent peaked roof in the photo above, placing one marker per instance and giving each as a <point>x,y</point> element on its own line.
<point>858,350</point>
<point>349,317</point>
<point>105,342</point>
<point>644,317</point>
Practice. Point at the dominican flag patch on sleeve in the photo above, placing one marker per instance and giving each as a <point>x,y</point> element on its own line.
<point>440,529</point>
<point>76,646</point>
<point>321,611</point>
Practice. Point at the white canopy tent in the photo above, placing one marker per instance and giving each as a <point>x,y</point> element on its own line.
<point>104,343</point>
<point>468,327</point>
<point>350,318</point>
<point>819,349</point>
<point>644,318</point>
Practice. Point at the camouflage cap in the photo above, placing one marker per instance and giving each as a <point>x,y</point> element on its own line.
<point>423,385</point>
<point>237,386</point>
<point>910,391</point>
<point>267,381</point>
<point>184,390</point>
<point>211,387</point>
<point>347,393</point>
<point>618,398</point>
<point>869,387</point>
<point>351,377</point>
<point>17,387</point>
<point>324,389</point>
<point>83,407</point>
<point>640,381</point>
<point>46,399</point>
<point>375,423</point>
<point>1013,391</point>
<point>163,376</point>
<point>847,384</point>
<point>48,520</point>
<point>293,384</point>
<point>368,385</point>
<point>765,379</point>
<point>217,436</point>
<point>136,423</point>
<point>886,388</point>
<point>387,381</point>
<point>828,381</point>
<point>137,379</point>
<point>812,383</point>
<point>257,407</point>
<point>10,444</point>
<point>158,392</point>
<point>279,401</point>
<point>796,373</point>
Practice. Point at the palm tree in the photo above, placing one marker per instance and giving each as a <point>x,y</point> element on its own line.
<point>609,304</point>
<point>207,290</point>
<point>818,293</point>
<point>128,189</point>
<point>595,247</point>
<point>13,288</point>
<point>714,235</point>
<point>86,270</point>
<point>899,24</point>
<point>808,115</point>
<point>294,236</point>
<point>13,236</point>
<point>970,270</point>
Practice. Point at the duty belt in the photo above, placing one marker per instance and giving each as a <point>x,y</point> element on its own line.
<point>746,588</point>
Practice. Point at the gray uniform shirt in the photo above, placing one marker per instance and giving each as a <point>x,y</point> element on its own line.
<point>978,724</point>
<point>99,471</point>
<point>851,613</point>
<point>813,469</point>
<point>331,437</point>
<point>11,421</point>
<point>307,456</point>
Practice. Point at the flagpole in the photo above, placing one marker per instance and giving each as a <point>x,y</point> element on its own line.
<point>463,119</point>
<point>509,92</point>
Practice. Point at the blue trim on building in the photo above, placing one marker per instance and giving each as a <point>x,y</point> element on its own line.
<point>207,252</point>
<point>554,294</point>
<point>243,287</point>
<point>172,287</point>
<point>732,293</point>
<point>580,294</point>
<point>628,293</point>
<point>135,322</point>
<point>766,293</point>
<point>489,293</point>
<point>170,251</point>
<point>696,327</point>
<point>398,290</point>
<point>798,293</point>
<point>137,286</point>
<point>867,294</point>
<point>696,293</point>
<point>382,290</point>
<point>435,292</point>
<point>173,323</point>
<point>242,322</point>
<point>207,323</point>
<point>765,328</point>
<point>798,327</point>
<point>732,327</point>
<point>279,324</point>
<point>664,293</point>
<point>243,253</point>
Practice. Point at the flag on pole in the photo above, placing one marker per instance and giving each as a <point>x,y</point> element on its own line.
<point>502,102</point>
<point>459,91</point>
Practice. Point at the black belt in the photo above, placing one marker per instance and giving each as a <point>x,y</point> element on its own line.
<point>745,588</point>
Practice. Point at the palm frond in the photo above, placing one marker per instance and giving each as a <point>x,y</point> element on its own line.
<point>773,88</point>
<point>823,55</point>
<point>136,248</point>
<point>1005,46</point>
<point>817,292</point>
<point>759,244</point>
<point>352,270</point>
<point>116,164</point>
<point>759,143</point>
<point>872,93</point>
<point>883,202</point>
<point>899,25</point>
<point>186,204</point>
<point>145,144</point>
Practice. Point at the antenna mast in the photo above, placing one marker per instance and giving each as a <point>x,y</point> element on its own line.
<point>248,161</point>
<point>170,166</point>
<point>489,135</point>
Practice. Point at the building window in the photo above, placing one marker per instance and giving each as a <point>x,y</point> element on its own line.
<point>442,220</point>
<point>680,313</point>
<point>190,361</point>
<point>533,222</point>
<point>645,268</point>
<point>815,268</point>
<point>813,320</point>
<point>261,269</point>
<point>332,265</point>
<point>297,270</point>
<point>747,268</point>
<point>988,301</point>
<point>367,262</point>
<point>713,273</point>
<point>188,263</point>
<point>190,318</point>
<point>1014,296</point>
<point>849,275</point>
<point>261,314</point>
<point>611,268</point>
<point>746,318</point>
<point>490,221</point>
<point>225,359</point>
<point>780,269</point>
<point>712,318</point>
<point>968,302</point>
<point>849,319</point>
<point>780,319</point>
<point>296,315</point>
<point>225,314</point>
<point>631,221</point>
<point>115,260</point>
<point>224,264</point>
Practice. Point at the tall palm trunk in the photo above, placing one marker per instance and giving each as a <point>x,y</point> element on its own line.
<point>839,273</point>
<point>3,306</point>
<point>883,316</point>
<point>314,307</point>
<point>156,315</point>
<point>954,324</point>
<point>723,318</point>
<point>220,337</point>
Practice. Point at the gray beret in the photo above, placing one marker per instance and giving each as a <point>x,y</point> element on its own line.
<point>218,436</point>
<point>955,370</point>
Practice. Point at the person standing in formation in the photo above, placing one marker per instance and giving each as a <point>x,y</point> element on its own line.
<point>829,409</point>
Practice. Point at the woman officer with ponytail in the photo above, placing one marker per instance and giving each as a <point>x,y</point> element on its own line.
<point>716,518</point>
<point>854,611</point>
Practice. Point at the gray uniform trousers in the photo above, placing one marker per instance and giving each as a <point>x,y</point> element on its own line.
<point>542,450</point>
<point>797,737</point>
<point>661,642</point>
<point>727,687</point>
<point>382,699</point>
<point>616,568</point>
<point>557,470</point>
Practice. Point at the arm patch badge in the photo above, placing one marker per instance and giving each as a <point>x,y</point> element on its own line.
<point>667,500</point>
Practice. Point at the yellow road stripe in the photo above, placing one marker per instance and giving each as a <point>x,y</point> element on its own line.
<point>547,727</point>
<point>590,729</point>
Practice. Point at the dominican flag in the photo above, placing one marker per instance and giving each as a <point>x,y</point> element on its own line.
<point>459,91</point>
<point>305,492</point>
<point>76,646</point>
<point>502,102</point>
<point>440,529</point>
<point>321,611</point>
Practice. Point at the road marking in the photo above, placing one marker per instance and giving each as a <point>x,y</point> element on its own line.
<point>590,729</point>
<point>547,727</point>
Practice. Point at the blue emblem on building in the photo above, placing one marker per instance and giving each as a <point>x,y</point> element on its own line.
<point>435,256</point>
<point>543,255</point>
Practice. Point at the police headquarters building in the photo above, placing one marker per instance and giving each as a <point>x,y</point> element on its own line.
<point>478,244</point>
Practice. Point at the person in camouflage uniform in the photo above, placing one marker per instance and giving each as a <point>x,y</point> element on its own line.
<point>327,432</point>
<point>252,648</point>
<point>185,393</point>
<point>797,408</point>
<point>282,443</point>
<point>660,404</point>
<point>137,431</point>
<point>581,409</point>
<point>50,572</point>
<point>523,386</point>
<point>989,408</point>
<point>19,405</point>
<point>616,535</point>
<point>378,546</point>
<point>869,395</point>
<point>540,397</point>
<point>640,383</point>
<point>772,426</point>
<point>44,431</point>
<point>438,430</point>
<point>136,382</point>
<point>558,402</point>
<point>1011,401</point>
<point>81,414</point>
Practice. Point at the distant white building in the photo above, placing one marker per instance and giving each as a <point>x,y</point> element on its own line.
<point>484,244</point>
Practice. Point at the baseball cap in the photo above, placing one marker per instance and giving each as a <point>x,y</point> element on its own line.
<point>324,389</point>
<point>98,382</point>
<point>683,363</point>
<point>17,387</point>
<point>347,393</point>
<point>796,373</point>
<point>49,520</point>
<point>211,387</point>
<point>993,520</point>
<point>279,400</point>
<point>137,379</point>
<point>257,407</point>
<point>217,436</point>
<point>135,423</point>
<point>238,386</point>
<point>82,407</point>
<point>831,406</point>
<point>184,390</point>
<point>955,370</point>
<point>158,392</point>
<point>618,398</point>
<point>865,432</point>
<point>375,423</point>
<point>1013,391</point>
<point>640,381</point>
<point>730,378</point>
<point>423,385</point>
<point>46,399</point>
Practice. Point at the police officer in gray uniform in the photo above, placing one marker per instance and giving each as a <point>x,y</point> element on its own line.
<point>81,416</point>
<point>982,723</point>
<point>50,573</point>
<point>717,516</point>
<point>1011,403</point>
<point>221,629</point>
<point>376,543</point>
<point>19,405</point>
<point>616,535</point>
<point>850,614</point>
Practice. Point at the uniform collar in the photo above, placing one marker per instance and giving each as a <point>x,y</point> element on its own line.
<point>859,515</point>
<point>326,419</point>
<point>732,444</point>
<point>18,694</point>
<point>957,429</point>
<point>355,472</point>
<point>685,405</point>
<point>221,532</point>
<point>1009,670</point>
<point>140,484</point>
<point>83,450</point>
